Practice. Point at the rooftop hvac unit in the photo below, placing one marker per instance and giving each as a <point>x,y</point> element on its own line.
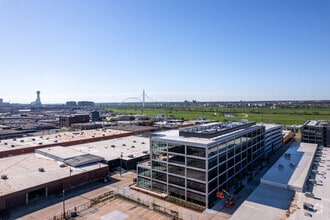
<point>133,146</point>
<point>280,167</point>
<point>113,145</point>
<point>41,169</point>
<point>131,156</point>
<point>145,152</point>
<point>4,176</point>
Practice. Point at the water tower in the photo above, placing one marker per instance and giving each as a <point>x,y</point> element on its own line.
<point>38,101</point>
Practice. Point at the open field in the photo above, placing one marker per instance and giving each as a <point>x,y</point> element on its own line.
<point>285,116</point>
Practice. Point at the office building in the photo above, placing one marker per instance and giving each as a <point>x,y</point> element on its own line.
<point>66,121</point>
<point>316,132</point>
<point>273,139</point>
<point>192,164</point>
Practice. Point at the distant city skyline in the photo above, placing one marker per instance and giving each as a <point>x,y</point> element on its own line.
<point>107,51</point>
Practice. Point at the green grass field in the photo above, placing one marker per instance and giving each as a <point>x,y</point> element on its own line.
<point>285,116</point>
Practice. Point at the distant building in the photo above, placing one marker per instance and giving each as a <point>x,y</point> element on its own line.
<point>95,115</point>
<point>193,164</point>
<point>316,132</point>
<point>71,103</point>
<point>66,121</point>
<point>86,104</point>
<point>1,101</point>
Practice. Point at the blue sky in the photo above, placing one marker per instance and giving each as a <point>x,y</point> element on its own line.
<point>106,51</point>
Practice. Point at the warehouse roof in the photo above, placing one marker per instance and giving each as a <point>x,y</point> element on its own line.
<point>130,147</point>
<point>55,138</point>
<point>29,170</point>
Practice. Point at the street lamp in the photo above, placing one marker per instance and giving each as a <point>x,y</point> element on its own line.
<point>121,161</point>
<point>63,193</point>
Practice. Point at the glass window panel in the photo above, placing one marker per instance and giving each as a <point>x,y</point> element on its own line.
<point>196,198</point>
<point>176,192</point>
<point>146,183</point>
<point>176,170</point>
<point>213,173</point>
<point>144,171</point>
<point>159,166</point>
<point>193,162</point>
<point>199,175</point>
<point>196,151</point>
<point>196,185</point>
<point>176,159</point>
<point>213,151</point>
<point>176,180</point>
<point>213,162</point>
<point>159,186</point>
<point>213,185</point>
<point>176,148</point>
<point>159,176</point>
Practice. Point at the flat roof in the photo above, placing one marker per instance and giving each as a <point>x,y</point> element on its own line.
<point>320,190</point>
<point>112,149</point>
<point>291,169</point>
<point>214,129</point>
<point>269,126</point>
<point>55,138</point>
<point>173,136</point>
<point>265,202</point>
<point>318,123</point>
<point>22,172</point>
<point>69,156</point>
<point>273,197</point>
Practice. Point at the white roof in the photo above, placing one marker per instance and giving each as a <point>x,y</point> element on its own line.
<point>291,170</point>
<point>265,202</point>
<point>23,172</point>
<point>111,149</point>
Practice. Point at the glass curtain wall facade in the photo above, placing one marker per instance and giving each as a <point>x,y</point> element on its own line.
<point>194,172</point>
<point>273,139</point>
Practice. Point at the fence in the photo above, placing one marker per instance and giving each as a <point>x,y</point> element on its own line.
<point>161,206</point>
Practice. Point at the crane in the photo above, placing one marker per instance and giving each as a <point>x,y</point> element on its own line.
<point>230,201</point>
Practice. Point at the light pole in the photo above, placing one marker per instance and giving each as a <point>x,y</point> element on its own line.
<point>63,202</point>
<point>121,161</point>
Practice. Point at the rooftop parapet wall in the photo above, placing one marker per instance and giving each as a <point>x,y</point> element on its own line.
<point>214,129</point>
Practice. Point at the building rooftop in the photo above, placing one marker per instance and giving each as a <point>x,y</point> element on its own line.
<point>291,170</point>
<point>214,129</point>
<point>130,147</point>
<point>173,136</point>
<point>320,190</point>
<point>23,172</point>
<point>69,156</point>
<point>317,123</point>
<point>265,202</point>
<point>57,138</point>
<point>274,196</point>
<point>269,126</point>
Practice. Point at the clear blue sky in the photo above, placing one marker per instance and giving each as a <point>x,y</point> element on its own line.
<point>176,50</point>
